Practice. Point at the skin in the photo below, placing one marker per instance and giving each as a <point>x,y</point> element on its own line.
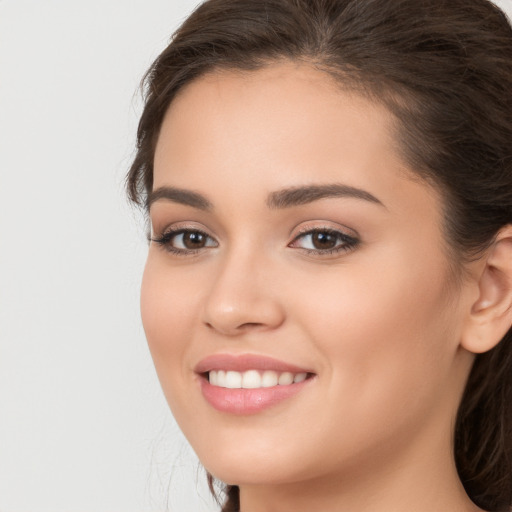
<point>380,324</point>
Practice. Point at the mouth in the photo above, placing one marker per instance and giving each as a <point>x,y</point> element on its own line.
<point>247,384</point>
<point>254,379</point>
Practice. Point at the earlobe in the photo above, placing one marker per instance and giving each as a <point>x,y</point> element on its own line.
<point>491,314</point>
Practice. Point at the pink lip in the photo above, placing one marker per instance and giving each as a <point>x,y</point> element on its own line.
<point>244,362</point>
<point>247,401</point>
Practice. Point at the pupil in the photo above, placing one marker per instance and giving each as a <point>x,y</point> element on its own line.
<point>324,240</point>
<point>193,240</point>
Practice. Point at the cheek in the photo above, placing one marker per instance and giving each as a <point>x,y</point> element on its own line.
<point>167,309</point>
<point>387,334</point>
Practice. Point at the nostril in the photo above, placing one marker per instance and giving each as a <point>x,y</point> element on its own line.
<point>235,330</point>
<point>249,324</point>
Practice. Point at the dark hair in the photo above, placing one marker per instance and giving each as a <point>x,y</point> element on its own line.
<point>444,69</point>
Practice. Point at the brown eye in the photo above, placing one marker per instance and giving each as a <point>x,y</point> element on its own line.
<point>324,240</point>
<point>194,240</point>
<point>185,241</point>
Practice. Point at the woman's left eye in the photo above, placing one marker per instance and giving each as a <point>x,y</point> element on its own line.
<point>324,241</point>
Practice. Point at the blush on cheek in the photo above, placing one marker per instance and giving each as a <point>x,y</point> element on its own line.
<point>158,311</point>
<point>149,303</point>
<point>167,313</point>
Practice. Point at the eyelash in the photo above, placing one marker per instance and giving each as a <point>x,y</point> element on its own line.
<point>167,237</point>
<point>348,242</point>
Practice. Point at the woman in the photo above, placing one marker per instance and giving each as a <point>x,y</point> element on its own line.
<point>328,291</point>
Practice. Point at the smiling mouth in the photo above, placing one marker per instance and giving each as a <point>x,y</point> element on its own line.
<point>243,384</point>
<point>253,379</point>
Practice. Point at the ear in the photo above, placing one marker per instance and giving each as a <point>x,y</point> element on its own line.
<point>491,314</point>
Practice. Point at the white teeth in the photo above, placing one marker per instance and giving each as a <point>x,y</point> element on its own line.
<point>269,379</point>
<point>300,377</point>
<point>285,379</point>
<point>233,380</point>
<point>253,379</point>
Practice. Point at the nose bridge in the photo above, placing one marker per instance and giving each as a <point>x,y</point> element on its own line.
<point>242,296</point>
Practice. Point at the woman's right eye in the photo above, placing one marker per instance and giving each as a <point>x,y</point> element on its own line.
<point>184,241</point>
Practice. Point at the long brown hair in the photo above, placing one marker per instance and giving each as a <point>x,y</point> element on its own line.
<point>444,69</point>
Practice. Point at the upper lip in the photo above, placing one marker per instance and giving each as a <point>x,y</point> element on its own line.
<point>244,362</point>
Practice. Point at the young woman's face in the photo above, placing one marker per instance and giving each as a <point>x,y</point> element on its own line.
<point>300,267</point>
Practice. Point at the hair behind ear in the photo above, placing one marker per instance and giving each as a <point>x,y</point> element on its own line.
<point>483,433</point>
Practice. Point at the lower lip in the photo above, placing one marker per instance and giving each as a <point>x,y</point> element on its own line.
<point>248,401</point>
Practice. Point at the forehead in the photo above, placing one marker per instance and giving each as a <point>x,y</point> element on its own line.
<point>289,116</point>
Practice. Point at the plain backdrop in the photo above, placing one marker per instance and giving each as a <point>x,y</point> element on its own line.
<point>83,423</point>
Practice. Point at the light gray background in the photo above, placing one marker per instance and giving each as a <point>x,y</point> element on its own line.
<point>83,424</point>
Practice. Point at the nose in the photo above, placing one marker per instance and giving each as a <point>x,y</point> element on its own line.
<point>243,297</point>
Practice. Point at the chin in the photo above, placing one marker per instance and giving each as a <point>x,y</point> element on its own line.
<point>257,459</point>
<point>253,472</point>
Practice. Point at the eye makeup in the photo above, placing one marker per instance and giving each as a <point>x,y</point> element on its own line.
<point>319,241</point>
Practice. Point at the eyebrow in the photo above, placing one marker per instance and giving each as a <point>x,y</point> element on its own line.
<point>285,198</point>
<point>181,196</point>
<point>295,196</point>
